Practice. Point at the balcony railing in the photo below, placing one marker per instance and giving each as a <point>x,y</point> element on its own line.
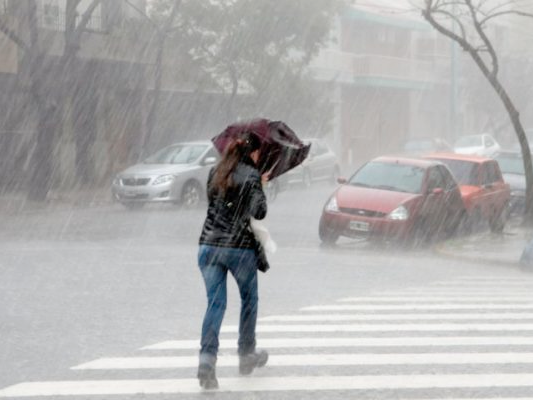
<point>56,21</point>
<point>353,66</point>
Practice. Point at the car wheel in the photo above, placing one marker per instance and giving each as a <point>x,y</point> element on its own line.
<point>306,178</point>
<point>271,190</point>
<point>130,205</point>
<point>327,235</point>
<point>191,194</point>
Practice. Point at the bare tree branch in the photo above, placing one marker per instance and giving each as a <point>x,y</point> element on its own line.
<point>86,17</point>
<point>484,38</point>
<point>12,35</point>
<point>509,12</point>
<point>143,14</point>
<point>453,18</point>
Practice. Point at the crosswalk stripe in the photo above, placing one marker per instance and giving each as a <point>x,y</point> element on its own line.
<point>367,307</point>
<point>397,317</point>
<point>267,384</point>
<point>277,360</point>
<point>304,342</point>
<point>496,285</point>
<point>436,299</point>
<point>457,292</point>
<point>493,278</point>
<point>386,327</point>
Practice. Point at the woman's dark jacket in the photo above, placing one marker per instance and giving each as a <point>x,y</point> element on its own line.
<point>228,217</point>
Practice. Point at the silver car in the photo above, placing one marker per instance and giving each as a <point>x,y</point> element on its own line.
<point>175,174</point>
<point>320,164</point>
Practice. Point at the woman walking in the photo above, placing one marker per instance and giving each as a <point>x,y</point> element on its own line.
<point>235,194</point>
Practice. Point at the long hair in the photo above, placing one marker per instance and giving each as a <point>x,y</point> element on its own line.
<point>235,152</point>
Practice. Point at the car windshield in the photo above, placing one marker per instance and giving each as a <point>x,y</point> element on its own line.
<point>464,172</point>
<point>511,165</point>
<point>177,154</point>
<point>469,141</point>
<point>389,176</point>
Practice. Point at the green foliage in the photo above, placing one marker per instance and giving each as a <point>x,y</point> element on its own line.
<point>256,49</point>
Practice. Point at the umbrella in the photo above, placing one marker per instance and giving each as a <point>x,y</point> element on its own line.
<point>281,149</point>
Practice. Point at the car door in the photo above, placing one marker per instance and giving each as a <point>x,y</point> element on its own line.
<point>434,206</point>
<point>323,161</point>
<point>490,145</point>
<point>497,189</point>
<point>207,162</point>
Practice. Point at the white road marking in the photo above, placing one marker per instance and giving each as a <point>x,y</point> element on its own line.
<point>268,384</point>
<point>356,342</point>
<point>448,306</point>
<point>435,299</point>
<point>495,284</point>
<point>443,327</point>
<point>397,317</point>
<point>277,360</point>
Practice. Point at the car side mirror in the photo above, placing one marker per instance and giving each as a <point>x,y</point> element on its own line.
<point>342,181</point>
<point>210,160</point>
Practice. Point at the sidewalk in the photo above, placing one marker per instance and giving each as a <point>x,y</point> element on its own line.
<point>15,203</point>
<point>490,248</point>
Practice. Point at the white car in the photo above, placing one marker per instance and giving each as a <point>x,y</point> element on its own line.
<point>320,165</point>
<point>175,174</point>
<point>481,145</point>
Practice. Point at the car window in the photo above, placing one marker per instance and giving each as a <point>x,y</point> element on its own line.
<point>489,173</point>
<point>321,148</point>
<point>212,153</point>
<point>177,154</point>
<point>510,165</point>
<point>449,181</point>
<point>464,172</point>
<point>435,179</point>
<point>389,176</point>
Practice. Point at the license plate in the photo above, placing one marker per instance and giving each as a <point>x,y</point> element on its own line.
<point>359,226</point>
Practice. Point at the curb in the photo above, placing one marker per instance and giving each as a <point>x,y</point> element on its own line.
<point>443,250</point>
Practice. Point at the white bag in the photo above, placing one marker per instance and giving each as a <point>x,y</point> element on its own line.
<point>263,235</point>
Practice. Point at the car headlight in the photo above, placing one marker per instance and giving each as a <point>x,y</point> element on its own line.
<point>332,205</point>
<point>163,179</point>
<point>399,214</point>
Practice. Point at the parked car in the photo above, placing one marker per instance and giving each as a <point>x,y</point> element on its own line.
<point>423,145</point>
<point>482,145</point>
<point>405,199</point>
<point>512,167</point>
<point>320,164</point>
<point>485,194</point>
<point>175,174</point>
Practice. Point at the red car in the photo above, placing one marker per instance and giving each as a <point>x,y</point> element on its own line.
<point>485,194</point>
<point>392,197</point>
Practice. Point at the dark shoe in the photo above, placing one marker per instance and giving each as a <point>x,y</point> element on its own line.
<point>207,377</point>
<point>249,362</point>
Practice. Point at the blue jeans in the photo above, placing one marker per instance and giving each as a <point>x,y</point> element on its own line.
<point>214,263</point>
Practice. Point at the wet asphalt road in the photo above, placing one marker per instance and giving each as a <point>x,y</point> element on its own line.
<point>78,284</point>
